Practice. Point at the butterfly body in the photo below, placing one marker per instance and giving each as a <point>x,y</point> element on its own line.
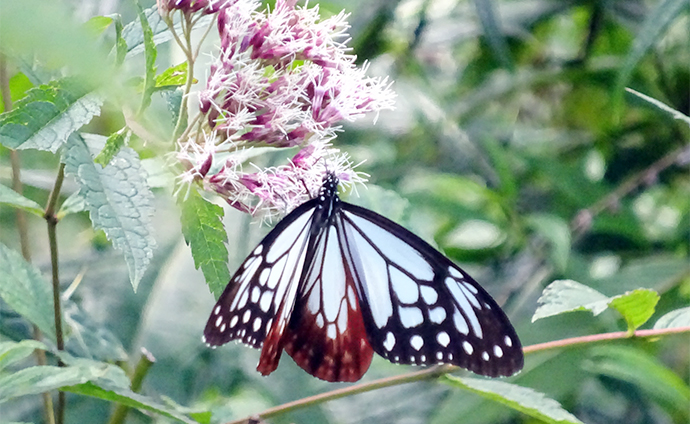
<point>333,282</point>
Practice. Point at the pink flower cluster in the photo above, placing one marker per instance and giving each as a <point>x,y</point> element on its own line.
<point>283,79</point>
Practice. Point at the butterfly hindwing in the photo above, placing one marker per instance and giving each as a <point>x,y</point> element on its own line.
<point>419,307</point>
<point>261,294</point>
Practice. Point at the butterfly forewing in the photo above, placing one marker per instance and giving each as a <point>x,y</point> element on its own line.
<point>251,303</point>
<point>420,308</point>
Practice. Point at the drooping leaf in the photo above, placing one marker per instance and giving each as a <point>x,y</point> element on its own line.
<point>636,306</point>
<point>644,371</point>
<point>678,318</point>
<point>11,352</point>
<point>11,197</point>
<point>523,399</point>
<point>112,145</point>
<point>173,76</point>
<point>46,117</point>
<point>202,226</point>
<point>568,295</point>
<point>118,199</point>
<point>26,291</point>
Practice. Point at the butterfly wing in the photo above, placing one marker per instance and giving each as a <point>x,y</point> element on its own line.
<point>418,307</point>
<point>326,335</point>
<point>256,305</point>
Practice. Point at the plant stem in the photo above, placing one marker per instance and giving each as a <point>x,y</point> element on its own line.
<point>52,221</point>
<point>439,370</point>
<point>23,229</point>
<point>189,52</point>
<point>145,361</point>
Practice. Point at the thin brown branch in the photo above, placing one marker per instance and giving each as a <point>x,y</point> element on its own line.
<point>435,372</point>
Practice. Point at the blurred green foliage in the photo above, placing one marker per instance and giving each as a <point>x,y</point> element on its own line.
<point>514,148</point>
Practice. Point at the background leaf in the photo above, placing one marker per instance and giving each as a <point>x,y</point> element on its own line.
<point>48,115</point>
<point>11,197</point>
<point>523,399</point>
<point>566,296</point>
<point>202,226</point>
<point>678,318</point>
<point>118,198</point>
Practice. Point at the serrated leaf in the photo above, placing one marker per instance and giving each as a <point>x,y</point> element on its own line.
<point>25,291</point>
<point>11,197</point>
<point>557,232</point>
<point>678,318</point>
<point>118,199</point>
<point>202,226</point>
<point>523,399</point>
<point>173,76</point>
<point>112,145</point>
<point>48,114</point>
<point>11,352</point>
<point>566,296</point>
<point>636,306</point>
<point>645,372</point>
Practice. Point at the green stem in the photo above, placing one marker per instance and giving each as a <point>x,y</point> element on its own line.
<point>52,221</point>
<point>439,370</point>
<point>146,360</point>
<point>188,50</point>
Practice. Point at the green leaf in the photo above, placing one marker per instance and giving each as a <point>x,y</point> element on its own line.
<point>557,232</point>
<point>655,24</point>
<point>202,226</point>
<point>48,115</point>
<point>25,291</point>
<point>98,24</point>
<point>675,114</point>
<point>173,76</point>
<point>678,318</point>
<point>112,145</point>
<point>11,352</point>
<point>566,296</point>
<point>523,399</point>
<point>120,43</point>
<point>112,393</point>
<point>150,53</point>
<point>73,204</point>
<point>11,197</point>
<point>118,199</point>
<point>19,85</point>
<point>645,372</point>
<point>636,306</point>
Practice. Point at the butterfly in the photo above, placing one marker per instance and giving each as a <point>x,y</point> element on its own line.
<point>333,283</point>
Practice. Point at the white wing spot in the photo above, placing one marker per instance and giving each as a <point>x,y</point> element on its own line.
<point>216,310</point>
<point>508,342</point>
<point>256,292</point>
<point>410,317</point>
<point>319,320</point>
<point>222,328</point>
<point>485,356</point>
<point>450,356</point>
<point>246,316</point>
<point>233,321</point>
<point>443,339</point>
<point>403,286</point>
<point>422,358</point>
<point>243,299</point>
<point>219,320</point>
<point>468,347</point>
<point>437,315</point>
<point>331,331</point>
<point>258,250</point>
<point>265,302</point>
<point>203,339</point>
<point>257,324</point>
<point>456,272</point>
<point>429,295</point>
<point>389,343</point>
<point>498,352</point>
<point>263,277</point>
<point>342,317</point>
<point>417,342</point>
<point>460,323</point>
<point>439,356</point>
